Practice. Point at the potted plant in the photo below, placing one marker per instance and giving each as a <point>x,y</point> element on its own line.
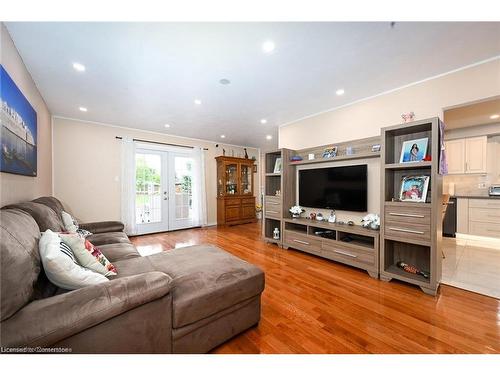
<point>296,211</point>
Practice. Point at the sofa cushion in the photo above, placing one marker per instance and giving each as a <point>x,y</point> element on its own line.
<point>45,217</point>
<point>100,239</point>
<point>20,260</point>
<point>51,202</point>
<point>206,280</point>
<point>119,251</point>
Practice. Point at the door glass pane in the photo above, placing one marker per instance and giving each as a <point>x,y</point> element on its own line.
<point>231,179</point>
<point>183,187</point>
<point>246,179</point>
<point>147,188</point>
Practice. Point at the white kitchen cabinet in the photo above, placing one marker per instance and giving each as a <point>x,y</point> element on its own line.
<point>467,155</point>
<point>455,155</point>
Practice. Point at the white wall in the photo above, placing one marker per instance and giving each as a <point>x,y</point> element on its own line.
<point>17,188</point>
<point>87,165</point>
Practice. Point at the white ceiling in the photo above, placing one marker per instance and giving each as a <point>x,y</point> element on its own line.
<point>144,75</point>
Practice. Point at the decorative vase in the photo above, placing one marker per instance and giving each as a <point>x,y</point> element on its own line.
<point>295,216</point>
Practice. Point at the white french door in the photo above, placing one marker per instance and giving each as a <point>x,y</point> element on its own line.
<point>164,190</point>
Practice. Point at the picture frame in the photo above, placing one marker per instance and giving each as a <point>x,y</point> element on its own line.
<point>414,188</point>
<point>330,152</point>
<point>414,150</point>
<point>277,165</point>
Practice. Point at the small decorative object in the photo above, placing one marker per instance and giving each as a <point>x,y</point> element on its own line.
<point>371,221</point>
<point>254,158</point>
<point>412,269</point>
<point>414,150</point>
<point>232,153</point>
<point>277,165</point>
<point>277,193</point>
<point>312,216</point>
<point>333,217</point>
<point>428,158</point>
<point>296,158</point>
<point>319,216</point>
<point>330,152</point>
<point>255,168</point>
<point>350,223</point>
<point>246,154</point>
<point>375,148</point>
<point>310,157</point>
<point>223,152</point>
<point>276,233</point>
<point>408,117</point>
<point>296,211</point>
<point>349,150</point>
<point>414,188</point>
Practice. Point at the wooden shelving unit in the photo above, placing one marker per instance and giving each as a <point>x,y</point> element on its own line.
<point>411,231</point>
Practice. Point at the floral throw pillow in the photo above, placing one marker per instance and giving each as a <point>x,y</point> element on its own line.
<point>88,255</point>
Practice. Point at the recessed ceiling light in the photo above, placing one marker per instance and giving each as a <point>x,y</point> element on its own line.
<point>83,109</point>
<point>224,81</point>
<point>269,137</point>
<point>340,92</point>
<point>78,67</point>
<point>167,125</point>
<point>223,136</point>
<point>495,116</point>
<point>268,46</point>
<point>263,121</point>
<point>197,101</point>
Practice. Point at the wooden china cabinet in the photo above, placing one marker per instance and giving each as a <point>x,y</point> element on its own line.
<point>235,191</point>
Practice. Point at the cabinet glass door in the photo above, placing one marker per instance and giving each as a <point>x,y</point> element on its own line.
<point>246,179</point>
<point>232,179</point>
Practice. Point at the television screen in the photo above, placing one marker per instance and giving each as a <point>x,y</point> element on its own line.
<point>339,188</point>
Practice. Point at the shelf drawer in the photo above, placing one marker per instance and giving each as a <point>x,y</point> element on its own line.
<point>484,215</point>
<point>303,242</point>
<point>484,203</point>
<point>233,201</point>
<point>248,201</point>
<point>408,215</point>
<point>406,231</point>
<point>484,229</point>
<point>272,212</point>
<point>272,200</point>
<point>347,254</point>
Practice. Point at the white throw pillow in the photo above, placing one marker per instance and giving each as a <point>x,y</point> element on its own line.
<point>60,269</point>
<point>69,223</point>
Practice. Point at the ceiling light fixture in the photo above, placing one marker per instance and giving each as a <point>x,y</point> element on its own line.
<point>83,109</point>
<point>268,46</point>
<point>223,136</point>
<point>495,116</point>
<point>340,92</point>
<point>197,101</point>
<point>167,126</point>
<point>269,137</point>
<point>263,121</point>
<point>78,67</point>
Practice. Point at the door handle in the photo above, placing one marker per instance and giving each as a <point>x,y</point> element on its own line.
<point>165,196</point>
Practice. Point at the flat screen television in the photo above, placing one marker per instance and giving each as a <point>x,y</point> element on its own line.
<point>339,188</point>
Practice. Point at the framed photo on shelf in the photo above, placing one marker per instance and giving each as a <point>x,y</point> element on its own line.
<point>414,188</point>
<point>414,150</point>
<point>277,165</point>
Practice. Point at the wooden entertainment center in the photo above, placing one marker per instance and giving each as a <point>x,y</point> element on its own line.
<point>409,231</point>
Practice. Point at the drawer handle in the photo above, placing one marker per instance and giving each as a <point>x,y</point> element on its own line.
<point>272,212</point>
<point>275,203</point>
<point>406,215</point>
<point>302,242</point>
<point>344,253</point>
<point>406,230</point>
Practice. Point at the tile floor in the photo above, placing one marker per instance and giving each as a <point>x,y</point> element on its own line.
<point>472,265</point>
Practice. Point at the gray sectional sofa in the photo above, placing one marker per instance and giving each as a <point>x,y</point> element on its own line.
<point>186,300</point>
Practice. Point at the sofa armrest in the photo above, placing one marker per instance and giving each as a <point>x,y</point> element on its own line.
<point>50,320</point>
<point>103,226</point>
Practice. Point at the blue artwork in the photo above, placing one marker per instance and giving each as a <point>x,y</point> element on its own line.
<point>414,150</point>
<point>18,133</point>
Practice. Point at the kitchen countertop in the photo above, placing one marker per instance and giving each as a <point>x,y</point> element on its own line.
<point>472,196</point>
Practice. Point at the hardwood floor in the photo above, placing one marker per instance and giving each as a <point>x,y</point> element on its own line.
<point>313,305</point>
